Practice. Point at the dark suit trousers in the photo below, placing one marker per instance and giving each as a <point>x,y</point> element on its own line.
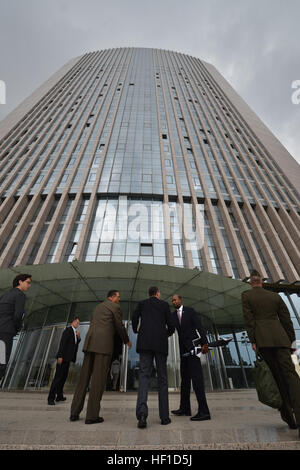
<point>95,368</point>
<point>191,370</point>
<point>59,380</point>
<point>281,365</point>
<point>7,338</point>
<point>146,365</point>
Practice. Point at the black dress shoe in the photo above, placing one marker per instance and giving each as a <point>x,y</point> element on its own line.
<point>292,425</point>
<point>181,413</point>
<point>51,402</point>
<point>61,399</point>
<point>199,417</point>
<point>74,417</point>
<point>289,419</point>
<point>142,422</point>
<point>165,421</point>
<point>94,421</point>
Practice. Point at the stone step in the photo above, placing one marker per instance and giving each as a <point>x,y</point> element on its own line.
<point>239,421</point>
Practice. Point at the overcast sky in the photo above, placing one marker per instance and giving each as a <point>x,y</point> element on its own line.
<point>255,45</point>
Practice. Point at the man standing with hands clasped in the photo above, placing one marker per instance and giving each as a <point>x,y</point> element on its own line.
<point>187,324</point>
<point>271,332</point>
<point>67,352</point>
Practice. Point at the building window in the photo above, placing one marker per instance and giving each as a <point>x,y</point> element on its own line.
<point>176,251</point>
<point>146,249</point>
<point>147,178</point>
<point>196,181</point>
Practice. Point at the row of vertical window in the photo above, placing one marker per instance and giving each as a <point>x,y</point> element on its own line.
<point>247,137</point>
<point>147,178</point>
<point>88,86</point>
<point>108,240</point>
<point>38,147</point>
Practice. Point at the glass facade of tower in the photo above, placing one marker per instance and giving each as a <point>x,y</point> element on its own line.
<point>140,155</point>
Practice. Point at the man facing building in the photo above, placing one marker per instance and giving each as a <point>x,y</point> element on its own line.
<point>271,332</point>
<point>152,321</point>
<point>67,353</point>
<point>98,348</point>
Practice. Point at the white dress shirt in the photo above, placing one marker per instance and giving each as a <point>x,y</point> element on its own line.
<point>179,313</point>
<point>74,329</point>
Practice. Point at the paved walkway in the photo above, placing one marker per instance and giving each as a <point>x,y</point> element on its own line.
<point>239,421</point>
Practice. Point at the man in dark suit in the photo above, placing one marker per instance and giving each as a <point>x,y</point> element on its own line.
<point>67,353</point>
<point>98,348</point>
<point>271,332</point>
<point>153,322</point>
<point>12,312</point>
<point>187,323</point>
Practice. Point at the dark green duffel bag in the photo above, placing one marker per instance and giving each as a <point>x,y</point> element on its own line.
<point>266,387</point>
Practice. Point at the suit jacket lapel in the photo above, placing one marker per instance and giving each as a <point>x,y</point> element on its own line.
<point>182,316</point>
<point>176,319</point>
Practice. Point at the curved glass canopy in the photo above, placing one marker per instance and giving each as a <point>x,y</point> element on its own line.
<point>213,296</point>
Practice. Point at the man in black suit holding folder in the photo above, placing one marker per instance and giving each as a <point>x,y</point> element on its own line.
<point>187,323</point>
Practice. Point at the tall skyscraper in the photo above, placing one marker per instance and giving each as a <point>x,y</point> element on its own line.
<point>142,155</point>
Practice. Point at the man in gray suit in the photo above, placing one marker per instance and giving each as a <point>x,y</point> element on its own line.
<point>98,348</point>
<point>271,332</point>
<point>12,312</point>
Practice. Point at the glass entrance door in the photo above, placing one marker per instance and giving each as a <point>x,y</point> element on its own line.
<point>34,376</point>
<point>50,360</point>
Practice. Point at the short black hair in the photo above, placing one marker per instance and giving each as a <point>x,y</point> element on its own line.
<point>112,293</point>
<point>179,296</point>
<point>255,273</point>
<point>20,277</point>
<point>75,318</point>
<point>153,290</point>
